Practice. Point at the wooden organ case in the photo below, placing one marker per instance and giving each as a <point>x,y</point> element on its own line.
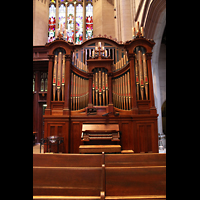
<point>116,91</point>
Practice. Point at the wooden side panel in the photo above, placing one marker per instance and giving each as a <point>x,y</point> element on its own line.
<point>125,130</point>
<point>146,137</point>
<point>58,129</point>
<point>75,137</point>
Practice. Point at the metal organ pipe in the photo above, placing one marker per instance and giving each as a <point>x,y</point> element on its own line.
<point>141,74</point>
<point>121,91</point>
<point>79,92</point>
<point>100,87</point>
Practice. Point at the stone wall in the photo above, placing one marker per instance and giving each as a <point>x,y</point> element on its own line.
<point>40,22</point>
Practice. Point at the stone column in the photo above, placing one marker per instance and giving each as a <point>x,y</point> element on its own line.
<point>126,25</point>
<point>57,13</point>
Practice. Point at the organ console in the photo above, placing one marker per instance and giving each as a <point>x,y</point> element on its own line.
<point>100,132</point>
<point>91,100</point>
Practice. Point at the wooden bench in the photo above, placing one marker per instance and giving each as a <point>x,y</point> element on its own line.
<point>135,176</point>
<point>68,175</point>
<point>99,176</point>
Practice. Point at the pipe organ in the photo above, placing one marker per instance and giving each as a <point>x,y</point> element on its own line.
<point>120,93</point>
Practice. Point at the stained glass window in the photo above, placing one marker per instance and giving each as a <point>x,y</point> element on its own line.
<point>89,21</point>
<point>62,11</point>
<point>79,23</point>
<point>52,23</point>
<point>73,23</point>
<point>70,23</point>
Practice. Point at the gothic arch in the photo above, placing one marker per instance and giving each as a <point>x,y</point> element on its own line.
<point>155,25</point>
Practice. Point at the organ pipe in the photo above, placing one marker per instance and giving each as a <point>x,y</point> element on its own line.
<point>141,74</point>
<point>141,77</point>
<point>79,92</point>
<point>63,78</point>
<point>59,75</point>
<point>145,75</point>
<point>54,77</point>
<point>121,91</point>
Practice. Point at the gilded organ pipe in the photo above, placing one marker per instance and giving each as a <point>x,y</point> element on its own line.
<point>129,91</point>
<point>63,78</point>
<point>103,85</point>
<point>79,92</point>
<point>145,75</point>
<point>100,87</point>
<point>137,78</point>
<point>121,91</point>
<point>59,75</point>
<point>141,74</point>
<point>141,77</point>
<point>96,81</point>
<point>93,89</point>
<point>106,75</point>
<point>72,84</point>
<point>54,77</point>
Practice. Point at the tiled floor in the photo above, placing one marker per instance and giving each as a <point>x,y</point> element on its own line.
<point>36,149</point>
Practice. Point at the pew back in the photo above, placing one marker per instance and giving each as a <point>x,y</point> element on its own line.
<point>99,176</point>
<point>67,175</point>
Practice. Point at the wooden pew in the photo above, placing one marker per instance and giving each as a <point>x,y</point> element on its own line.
<point>99,176</point>
<point>135,176</point>
<point>65,176</point>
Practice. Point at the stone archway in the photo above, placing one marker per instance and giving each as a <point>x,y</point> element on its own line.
<point>154,28</point>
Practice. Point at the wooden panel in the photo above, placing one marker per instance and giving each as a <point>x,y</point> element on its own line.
<point>67,181</point>
<point>141,132</point>
<point>135,160</point>
<point>58,129</point>
<point>100,148</point>
<point>132,176</point>
<point>67,160</point>
<point>123,181</point>
<point>125,129</point>
<point>149,129</point>
<point>145,137</point>
<point>75,137</point>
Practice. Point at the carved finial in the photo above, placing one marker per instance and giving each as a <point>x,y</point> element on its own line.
<point>60,36</point>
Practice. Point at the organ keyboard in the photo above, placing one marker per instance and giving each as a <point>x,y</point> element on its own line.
<point>100,132</point>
